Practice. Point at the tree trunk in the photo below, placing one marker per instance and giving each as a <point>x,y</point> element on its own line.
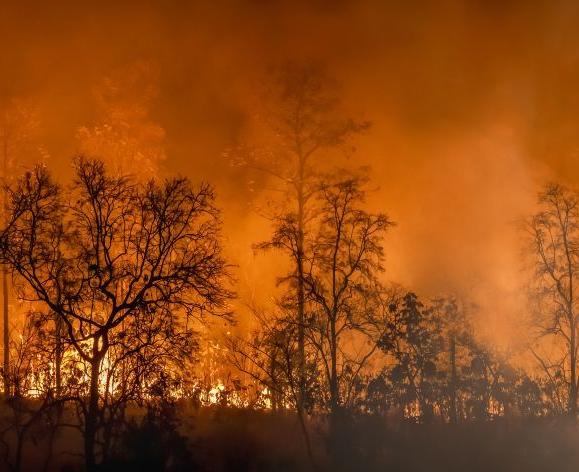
<point>51,437</point>
<point>92,415</point>
<point>572,408</point>
<point>334,387</point>
<point>58,353</point>
<point>301,295</point>
<point>273,389</point>
<point>5,324</point>
<point>339,440</point>
<point>19,446</point>
<point>307,441</point>
<point>453,403</point>
<point>5,307</point>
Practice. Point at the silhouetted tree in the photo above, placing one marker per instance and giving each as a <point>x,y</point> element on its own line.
<point>18,124</point>
<point>304,126</point>
<point>439,369</point>
<point>34,411</point>
<point>342,267</point>
<point>346,300</point>
<point>554,234</point>
<point>108,253</point>
<point>270,355</point>
<point>415,340</point>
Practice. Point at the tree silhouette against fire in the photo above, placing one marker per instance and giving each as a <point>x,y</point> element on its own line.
<point>115,274</point>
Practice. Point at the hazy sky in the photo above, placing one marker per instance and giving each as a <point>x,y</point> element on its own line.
<point>473,105</point>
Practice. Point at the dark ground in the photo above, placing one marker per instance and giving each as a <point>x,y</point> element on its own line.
<point>219,439</point>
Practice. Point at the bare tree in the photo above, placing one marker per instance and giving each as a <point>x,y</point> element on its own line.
<point>105,252</point>
<point>343,265</point>
<point>305,126</point>
<point>345,300</point>
<point>18,123</point>
<point>554,234</point>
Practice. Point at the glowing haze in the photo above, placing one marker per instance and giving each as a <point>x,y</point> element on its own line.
<point>473,104</point>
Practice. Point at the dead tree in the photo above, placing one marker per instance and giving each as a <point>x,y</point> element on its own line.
<point>306,126</point>
<point>554,237</point>
<point>105,251</point>
<point>17,125</point>
<point>345,299</point>
<point>342,283</point>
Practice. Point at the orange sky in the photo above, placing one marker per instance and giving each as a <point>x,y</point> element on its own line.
<point>473,105</point>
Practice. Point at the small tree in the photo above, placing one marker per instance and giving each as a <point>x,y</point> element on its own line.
<point>34,412</point>
<point>106,253</point>
<point>414,340</point>
<point>270,356</point>
<point>438,368</point>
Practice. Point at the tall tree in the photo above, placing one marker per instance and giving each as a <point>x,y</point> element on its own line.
<point>304,125</point>
<point>107,253</point>
<point>342,269</point>
<point>346,301</point>
<point>554,236</point>
<point>18,122</point>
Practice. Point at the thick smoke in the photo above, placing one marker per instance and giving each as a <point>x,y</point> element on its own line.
<point>473,104</point>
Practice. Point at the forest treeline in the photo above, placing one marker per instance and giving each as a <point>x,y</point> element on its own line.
<point>114,276</point>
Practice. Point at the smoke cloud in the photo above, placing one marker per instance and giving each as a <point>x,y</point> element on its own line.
<point>473,105</point>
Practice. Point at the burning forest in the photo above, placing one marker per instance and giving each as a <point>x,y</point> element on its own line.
<point>273,235</point>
